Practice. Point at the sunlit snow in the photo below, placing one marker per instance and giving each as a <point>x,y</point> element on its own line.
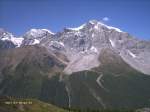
<point>93,49</point>
<point>133,55</point>
<point>112,43</point>
<point>78,28</point>
<point>36,41</point>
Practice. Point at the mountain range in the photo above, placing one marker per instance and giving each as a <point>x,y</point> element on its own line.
<point>92,66</point>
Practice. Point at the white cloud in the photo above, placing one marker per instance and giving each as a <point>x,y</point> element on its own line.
<point>106,19</point>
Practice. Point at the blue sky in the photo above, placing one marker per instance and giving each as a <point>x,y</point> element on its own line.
<point>18,16</point>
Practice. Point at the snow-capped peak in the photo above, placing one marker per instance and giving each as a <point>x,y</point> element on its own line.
<point>93,21</point>
<point>17,41</point>
<point>98,23</point>
<point>6,36</point>
<point>36,32</point>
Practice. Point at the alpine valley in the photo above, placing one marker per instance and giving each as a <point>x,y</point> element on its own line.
<point>93,66</point>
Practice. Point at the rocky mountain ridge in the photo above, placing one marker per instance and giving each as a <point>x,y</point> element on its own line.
<point>82,46</point>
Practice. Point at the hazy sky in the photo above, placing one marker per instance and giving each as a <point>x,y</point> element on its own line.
<point>18,16</point>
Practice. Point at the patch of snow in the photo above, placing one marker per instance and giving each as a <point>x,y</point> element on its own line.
<point>48,31</point>
<point>96,27</point>
<point>92,21</point>
<point>35,42</point>
<point>38,32</point>
<point>78,28</point>
<point>17,41</point>
<point>33,30</point>
<point>4,33</point>
<point>93,49</point>
<point>93,35</point>
<point>112,43</point>
<point>61,43</point>
<point>5,38</point>
<point>57,43</point>
<point>97,23</point>
<point>133,55</point>
<point>117,29</point>
<point>110,27</point>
